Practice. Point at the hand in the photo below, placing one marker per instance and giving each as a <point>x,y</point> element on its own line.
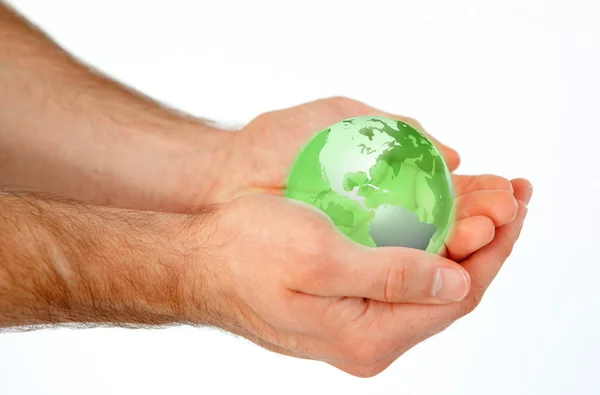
<point>307,291</point>
<point>259,158</point>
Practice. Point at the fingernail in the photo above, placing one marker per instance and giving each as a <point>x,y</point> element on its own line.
<point>450,284</point>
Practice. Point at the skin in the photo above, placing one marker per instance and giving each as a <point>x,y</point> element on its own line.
<point>146,231</point>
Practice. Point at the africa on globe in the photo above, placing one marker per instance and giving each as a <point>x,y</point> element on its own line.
<point>382,182</point>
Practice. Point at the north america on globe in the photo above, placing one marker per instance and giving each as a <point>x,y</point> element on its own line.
<point>381,181</point>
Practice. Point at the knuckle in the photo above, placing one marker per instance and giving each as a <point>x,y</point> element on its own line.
<point>505,207</point>
<point>488,232</point>
<point>474,240</point>
<point>492,181</point>
<point>346,107</point>
<point>470,239</point>
<point>502,183</point>
<point>474,183</point>
<point>340,101</point>
<point>395,288</point>
<point>263,120</point>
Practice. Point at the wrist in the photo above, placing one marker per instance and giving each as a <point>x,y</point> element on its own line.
<point>180,169</point>
<point>166,163</point>
<point>149,270</point>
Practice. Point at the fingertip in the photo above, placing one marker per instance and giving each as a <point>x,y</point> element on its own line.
<point>452,158</point>
<point>486,231</point>
<point>523,189</point>
<point>521,181</point>
<point>506,212</point>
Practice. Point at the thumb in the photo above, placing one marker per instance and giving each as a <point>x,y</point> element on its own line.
<point>393,275</point>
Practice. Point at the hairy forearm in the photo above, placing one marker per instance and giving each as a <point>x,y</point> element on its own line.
<point>64,262</point>
<point>67,129</point>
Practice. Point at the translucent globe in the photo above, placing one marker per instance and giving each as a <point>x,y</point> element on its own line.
<point>382,183</point>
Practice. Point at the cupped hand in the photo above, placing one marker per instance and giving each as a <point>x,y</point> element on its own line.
<point>482,266</point>
<point>295,285</point>
<point>284,277</point>
<point>258,159</point>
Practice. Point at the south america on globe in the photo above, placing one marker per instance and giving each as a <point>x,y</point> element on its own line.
<point>382,182</point>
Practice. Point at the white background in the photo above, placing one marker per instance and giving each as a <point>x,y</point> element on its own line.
<point>514,85</point>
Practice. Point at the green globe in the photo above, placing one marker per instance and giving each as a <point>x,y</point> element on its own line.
<point>382,183</point>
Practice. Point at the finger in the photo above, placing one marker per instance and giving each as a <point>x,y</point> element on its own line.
<point>484,182</point>
<point>388,274</point>
<point>469,235</point>
<point>523,190</point>
<point>483,266</point>
<point>499,206</point>
<point>404,275</point>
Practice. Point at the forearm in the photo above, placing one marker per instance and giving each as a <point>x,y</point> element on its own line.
<point>63,262</point>
<point>67,129</point>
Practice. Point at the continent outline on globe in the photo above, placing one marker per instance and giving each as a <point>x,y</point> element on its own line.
<point>381,181</point>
